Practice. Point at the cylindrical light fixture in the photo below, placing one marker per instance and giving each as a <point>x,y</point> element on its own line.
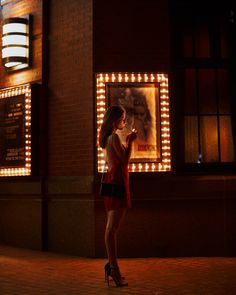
<point>15,43</point>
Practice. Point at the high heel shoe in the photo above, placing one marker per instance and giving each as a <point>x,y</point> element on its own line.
<point>107,271</point>
<point>114,273</point>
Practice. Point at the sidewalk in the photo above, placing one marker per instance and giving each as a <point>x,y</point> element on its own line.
<point>27,272</point>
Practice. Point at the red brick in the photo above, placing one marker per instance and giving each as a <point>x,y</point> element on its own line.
<point>32,272</point>
<point>70,84</point>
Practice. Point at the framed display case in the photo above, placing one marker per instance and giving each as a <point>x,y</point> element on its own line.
<point>145,97</point>
<point>15,131</point>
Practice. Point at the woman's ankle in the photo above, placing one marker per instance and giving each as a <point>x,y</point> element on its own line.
<point>114,265</point>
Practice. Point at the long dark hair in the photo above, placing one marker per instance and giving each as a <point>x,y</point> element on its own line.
<point>112,115</point>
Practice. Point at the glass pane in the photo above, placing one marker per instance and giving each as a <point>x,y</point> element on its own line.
<point>191,139</point>
<point>202,48</point>
<point>209,138</point>
<point>226,140</point>
<point>223,91</point>
<point>207,91</point>
<point>190,105</point>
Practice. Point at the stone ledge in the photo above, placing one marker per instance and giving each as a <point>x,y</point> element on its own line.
<point>70,185</point>
<point>20,188</point>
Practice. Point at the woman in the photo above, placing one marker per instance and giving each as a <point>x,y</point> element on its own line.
<point>117,158</point>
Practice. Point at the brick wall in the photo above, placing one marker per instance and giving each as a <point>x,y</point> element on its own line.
<point>20,200</point>
<point>71,104</point>
<point>67,80</point>
<point>22,8</point>
<point>131,35</point>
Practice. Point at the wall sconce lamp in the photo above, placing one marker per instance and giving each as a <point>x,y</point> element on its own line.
<point>15,43</point>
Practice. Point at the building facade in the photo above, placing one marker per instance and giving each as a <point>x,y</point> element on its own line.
<point>185,205</point>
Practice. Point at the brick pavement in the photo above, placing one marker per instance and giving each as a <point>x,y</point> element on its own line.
<point>27,272</point>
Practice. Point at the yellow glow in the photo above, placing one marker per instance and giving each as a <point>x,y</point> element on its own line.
<point>102,79</point>
<point>15,45</point>
<point>9,92</point>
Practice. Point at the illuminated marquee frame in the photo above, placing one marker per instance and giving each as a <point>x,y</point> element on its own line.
<point>102,79</point>
<point>11,92</point>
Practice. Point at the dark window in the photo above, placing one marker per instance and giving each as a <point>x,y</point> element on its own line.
<point>204,92</point>
<point>207,116</point>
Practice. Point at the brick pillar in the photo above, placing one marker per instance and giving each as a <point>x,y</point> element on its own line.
<point>71,127</point>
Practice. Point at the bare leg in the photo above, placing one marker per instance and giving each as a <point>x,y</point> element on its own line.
<point>114,220</point>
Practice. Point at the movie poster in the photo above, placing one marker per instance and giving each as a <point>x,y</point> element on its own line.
<point>141,102</point>
<point>12,131</point>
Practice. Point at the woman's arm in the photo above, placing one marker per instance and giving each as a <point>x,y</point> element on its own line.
<point>129,140</point>
<point>128,150</point>
<point>122,152</point>
<point>119,149</point>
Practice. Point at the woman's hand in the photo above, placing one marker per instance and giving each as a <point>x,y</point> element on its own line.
<point>132,136</point>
